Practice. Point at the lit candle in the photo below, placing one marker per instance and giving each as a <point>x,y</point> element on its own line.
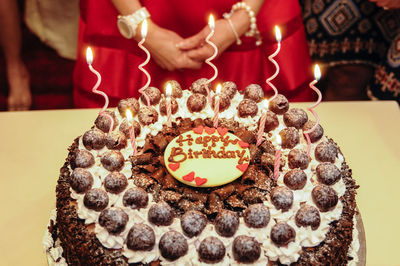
<point>317,76</point>
<point>216,104</point>
<point>89,60</point>
<point>277,157</point>
<point>143,31</point>
<point>278,37</point>
<point>211,24</point>
<point>168,92</point>
<point>129,118</point>
<point>262,122</point>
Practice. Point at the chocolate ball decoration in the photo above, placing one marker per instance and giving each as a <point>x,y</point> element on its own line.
<point>103,122</point>
<point>141,237</point>
<point>282,234</point>
<point>211,250</point>
<point>226,223</point>
<point>163,106</point>
<point>94,139</point>
<point>84,159</point>
<point>96,199</point>
<point>247,108</point>
<point>229,89</point>
<point>131,104</point>
<point>279,105</point>
<point>254,92</point>
<point>290,137</point>
<point>324,197</point>
<point>173,245</point>
<point>147,115</point>
<point>246,249</point>
<point>224,102</point>
<point>161,214</point>
<point>115,182</point>
<point>112,160</point>
<point>176,89</point>
<point>193,223</point>
<point>308,216</point>
<point>282,198</point>
<point>271,122</point>
<point>295,117</point>
<point>135,198</point>
<point>328,173</point>
<point>326,152</point>
<point>199,86</point>
<point>196,102</point>
<point>113,220</point>
<point>116,140</point>
<point>256,215</point>
<point>81,180</point>
<point>154,95</point>
<point>125,128</point>
<point>295,179</point>
<point>298,159</point>
<point>316,134</point>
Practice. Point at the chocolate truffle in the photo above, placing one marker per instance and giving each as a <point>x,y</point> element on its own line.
<point>81,180</point>
<point>246,249</point>
<point>147,115</point>
<point>229,89</point>
<point>135,198</point>
<point>115,182</point>
<point>94,139</point>
<point>196,102</point>
<point>113,220</point>
<point>161,214</point>
<point>271,122</point>
<point>226,223</point>
<point>112,160</point>
<point>308,216</point>
<point>326,152</point>
<point>295,117</point>
<point>282,198</point>
<point>163,106</point>
<point>141,237</point>
<point>84,159</point>
<point>256,215</point>
<point>279,105</point>
<point>290,137</point>
<point>211,250</point>
<point>131,103</point>
<point>254,92</point>
<point>282,234</point>
<point>176,89</point>
<point>154,95</point>
<point>328,173</point>
<point>125,128</point>
<point>103,121</point>
<point>247,108</point>
<point>96,199</point>
<point>173,245</point>
<point>224,102</point>
<point>298,159</point>
<point>324,197</point>
<point>116,140</point>
<point>199,86</point>
<point>193,223</point>
<point>316,134</point>
<point>295,179</point>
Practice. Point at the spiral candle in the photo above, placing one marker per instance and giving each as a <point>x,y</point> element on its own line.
<point>278,37</point>
<point>140,44</point>
<point>211,24</point>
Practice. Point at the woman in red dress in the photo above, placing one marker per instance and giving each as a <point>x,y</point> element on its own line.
<point>177,29</point>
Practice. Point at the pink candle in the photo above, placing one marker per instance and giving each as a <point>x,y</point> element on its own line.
<point>143,31</point>
<point>168,92</point>
<point>129,118</point>
<point>211,24</point>
<point>277,157</point>
<point>317,76</point>
<point>89,60</point>
<point>278,37</point>
<point>216,105</point>
<point>262,122</point>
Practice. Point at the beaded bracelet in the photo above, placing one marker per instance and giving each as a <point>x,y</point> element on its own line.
<point>228,18</point>
<point>253,31</point>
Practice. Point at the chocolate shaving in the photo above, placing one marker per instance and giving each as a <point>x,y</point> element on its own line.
<point>141,159</point>
<point>225,191</point>
<point>159,174</point>
<point>252,196</point>
<point>235,202</point>
<point>195,195</point>
<point>161,142</point>
<point>143,181</point>
<point>187,205</point>
<point>215,204</point>
<point>250,176</point>
<point>170,182</point>
<point>171,196</point>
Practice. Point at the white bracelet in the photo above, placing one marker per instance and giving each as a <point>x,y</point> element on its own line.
<point>127,24</point>
<point>228,18</point>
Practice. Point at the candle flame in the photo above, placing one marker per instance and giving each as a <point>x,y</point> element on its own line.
<point>89,55</point>
<point>266,104</point>
<point>129,116</point>
<point>278,34</point>
<point>317,72</point>
<point>218,89</point>
<point>278,139</point>
<point>211,22</point>
<point>168,89</point>
<point>143,29</point>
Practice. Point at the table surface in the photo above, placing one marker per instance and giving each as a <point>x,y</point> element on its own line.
<point>34,147</point>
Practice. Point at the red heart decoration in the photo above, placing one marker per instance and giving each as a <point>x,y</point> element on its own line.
<point>243,144</point>
<point>210,130</point>
<point>242,167</point>
<point>174,166</point>
<point>189,177</point>
<point>222,131</point>
<point>200,181</point>
<point>198,130</point>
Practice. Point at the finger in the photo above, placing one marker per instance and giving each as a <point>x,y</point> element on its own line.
<point>200,54</point>
<point>194,41</point>
<point>193,64</point>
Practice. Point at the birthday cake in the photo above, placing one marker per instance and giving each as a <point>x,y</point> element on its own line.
<point>177,184</point>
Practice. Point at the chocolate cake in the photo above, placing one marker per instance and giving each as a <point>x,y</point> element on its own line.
<point>198,194</point>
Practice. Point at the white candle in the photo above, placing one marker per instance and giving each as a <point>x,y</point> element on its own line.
<point>216,104</point>
<point>129,118</point>
<point>168,92</point>
<point>277,157</point>
<point>263,119</point>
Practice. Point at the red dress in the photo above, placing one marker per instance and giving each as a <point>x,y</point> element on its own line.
<point>117,58</point>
